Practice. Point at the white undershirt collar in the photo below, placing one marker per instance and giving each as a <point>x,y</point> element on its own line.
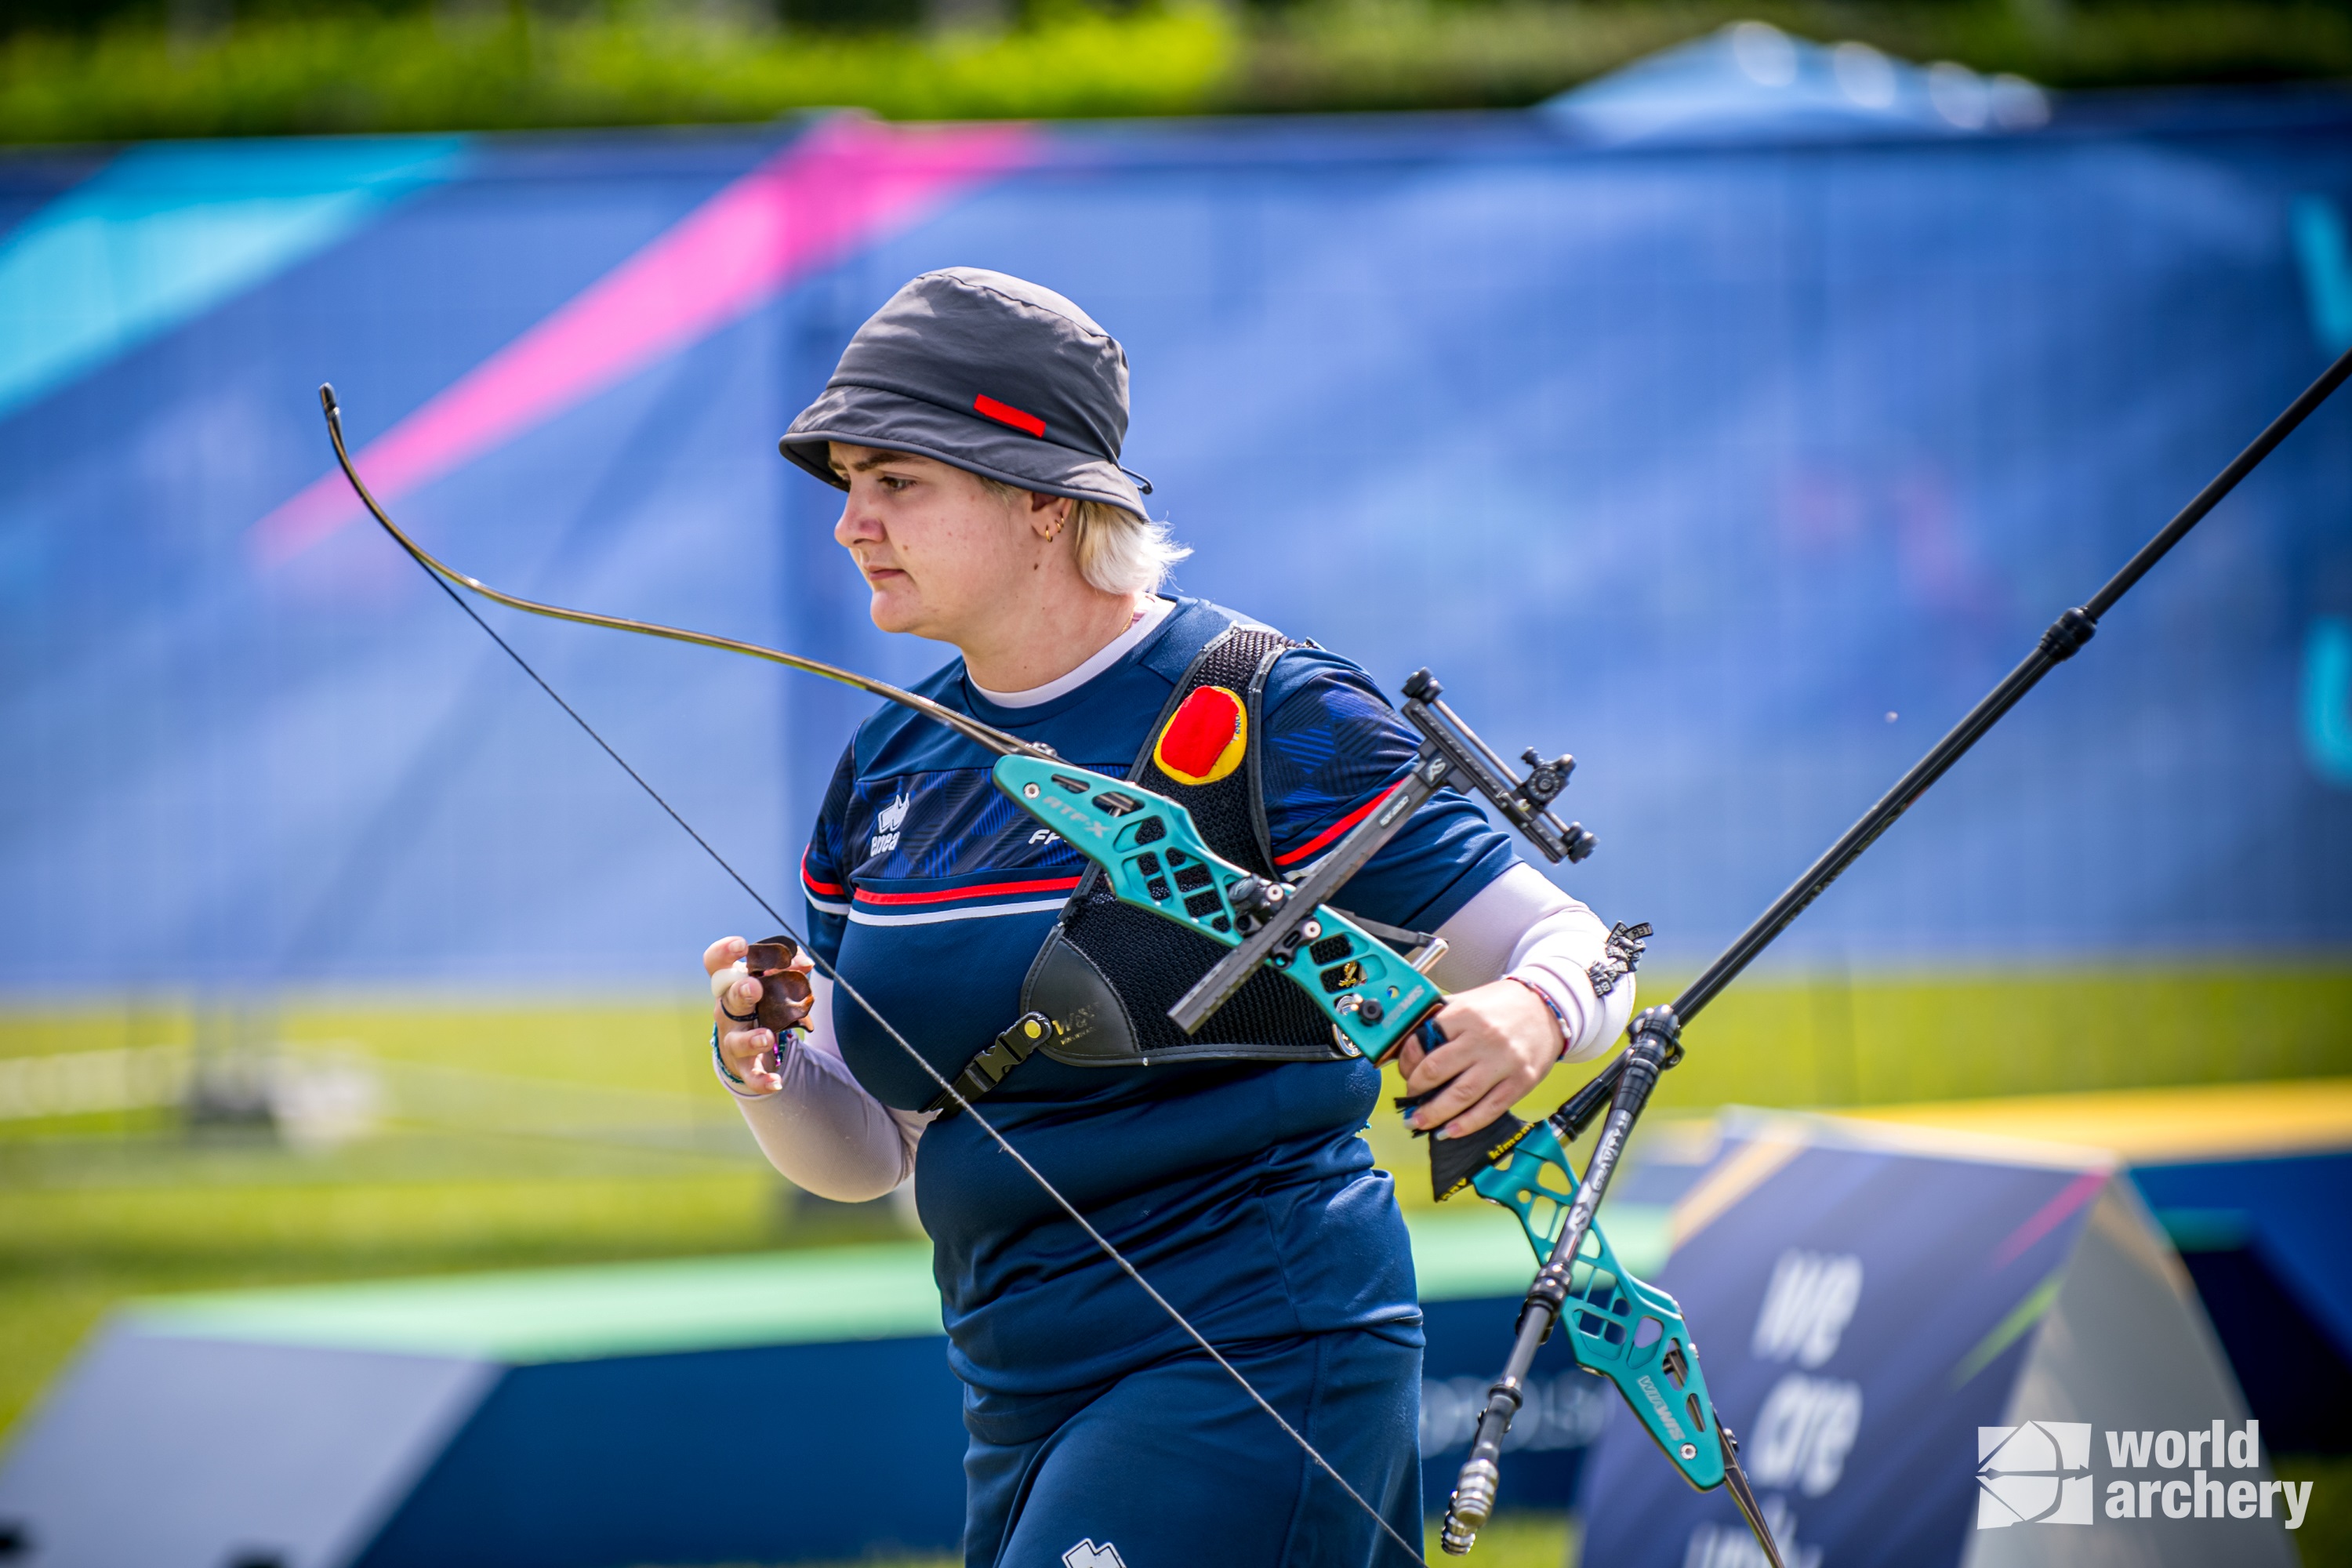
<point>1155,610</point>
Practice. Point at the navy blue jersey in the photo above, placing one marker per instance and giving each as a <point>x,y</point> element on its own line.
<point>1241,1190</point>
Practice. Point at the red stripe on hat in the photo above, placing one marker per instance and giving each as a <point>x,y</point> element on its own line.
<point>1005,413</point>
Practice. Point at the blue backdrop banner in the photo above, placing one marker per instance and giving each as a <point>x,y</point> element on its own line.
<point>1740,468</point>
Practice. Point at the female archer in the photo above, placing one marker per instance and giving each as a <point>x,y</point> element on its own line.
<point>975,424</point>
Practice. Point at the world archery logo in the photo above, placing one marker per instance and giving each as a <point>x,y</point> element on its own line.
<point>1086,1554</point>
<point>2037,1473</point>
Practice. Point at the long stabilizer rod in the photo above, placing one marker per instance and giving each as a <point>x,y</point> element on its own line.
<point>2064,637</point>
<point>1656,1043</point>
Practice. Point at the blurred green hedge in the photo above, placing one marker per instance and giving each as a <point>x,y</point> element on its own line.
<point>423,72</point>
<point>198,67</point>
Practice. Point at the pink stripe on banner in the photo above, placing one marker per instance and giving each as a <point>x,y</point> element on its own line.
<point>848,182</point>
<point>2050,1215</point>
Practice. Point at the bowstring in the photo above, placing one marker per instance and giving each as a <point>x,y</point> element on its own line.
<point>965,1106</point>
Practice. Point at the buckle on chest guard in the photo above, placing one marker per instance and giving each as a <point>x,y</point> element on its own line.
<point>1016,1044</point>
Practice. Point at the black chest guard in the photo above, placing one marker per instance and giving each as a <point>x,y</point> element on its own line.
<point>1110,971</point>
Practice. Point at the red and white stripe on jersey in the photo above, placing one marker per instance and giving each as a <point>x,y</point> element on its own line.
<point>979,901</point>
<point>826,898</point>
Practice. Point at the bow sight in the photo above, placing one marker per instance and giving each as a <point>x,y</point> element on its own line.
<point>1451,754</point>
<point>1526,804</point>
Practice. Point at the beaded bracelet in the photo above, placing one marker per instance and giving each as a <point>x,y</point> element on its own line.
<point>718,1060</point>
<point>1550,1007</point>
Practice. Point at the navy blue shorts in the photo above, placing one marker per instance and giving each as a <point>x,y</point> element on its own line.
<point>1174,1466</point>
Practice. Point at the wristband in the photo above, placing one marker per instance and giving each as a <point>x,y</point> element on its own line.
<point>1550,1007</point>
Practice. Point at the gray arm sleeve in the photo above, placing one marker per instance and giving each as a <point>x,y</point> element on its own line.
<point>822,1131</point>
<point>1522,926</point>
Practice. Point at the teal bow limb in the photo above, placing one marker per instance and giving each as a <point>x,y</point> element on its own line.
<point>1620,1328</point>
<point>1153,857</point>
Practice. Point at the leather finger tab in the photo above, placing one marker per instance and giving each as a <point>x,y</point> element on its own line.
<point>785,994</point>
<point>784,1002</point>
<point>772,954</point>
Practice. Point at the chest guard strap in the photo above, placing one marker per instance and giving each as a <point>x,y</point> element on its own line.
<point>1110,971</point>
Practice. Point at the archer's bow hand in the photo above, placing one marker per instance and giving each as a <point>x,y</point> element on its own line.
<point>1500,1041</point>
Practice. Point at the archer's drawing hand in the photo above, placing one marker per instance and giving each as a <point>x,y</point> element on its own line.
<point>1500,1041</point>
<point>748,1049</point>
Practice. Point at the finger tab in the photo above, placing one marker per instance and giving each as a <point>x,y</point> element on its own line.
<point>785,999</point>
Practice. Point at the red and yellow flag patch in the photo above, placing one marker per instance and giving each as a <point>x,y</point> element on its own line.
<point>1205,738</point>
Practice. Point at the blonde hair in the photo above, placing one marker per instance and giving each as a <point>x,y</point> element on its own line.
<point>1118,552</point>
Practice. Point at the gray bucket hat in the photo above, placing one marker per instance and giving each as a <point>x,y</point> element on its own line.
<point>988,372</point>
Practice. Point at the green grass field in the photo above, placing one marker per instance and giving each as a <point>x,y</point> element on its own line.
<point>507,1137</point>
<point>316,66</point>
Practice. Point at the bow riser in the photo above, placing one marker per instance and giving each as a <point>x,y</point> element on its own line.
<point>1153,857</point>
